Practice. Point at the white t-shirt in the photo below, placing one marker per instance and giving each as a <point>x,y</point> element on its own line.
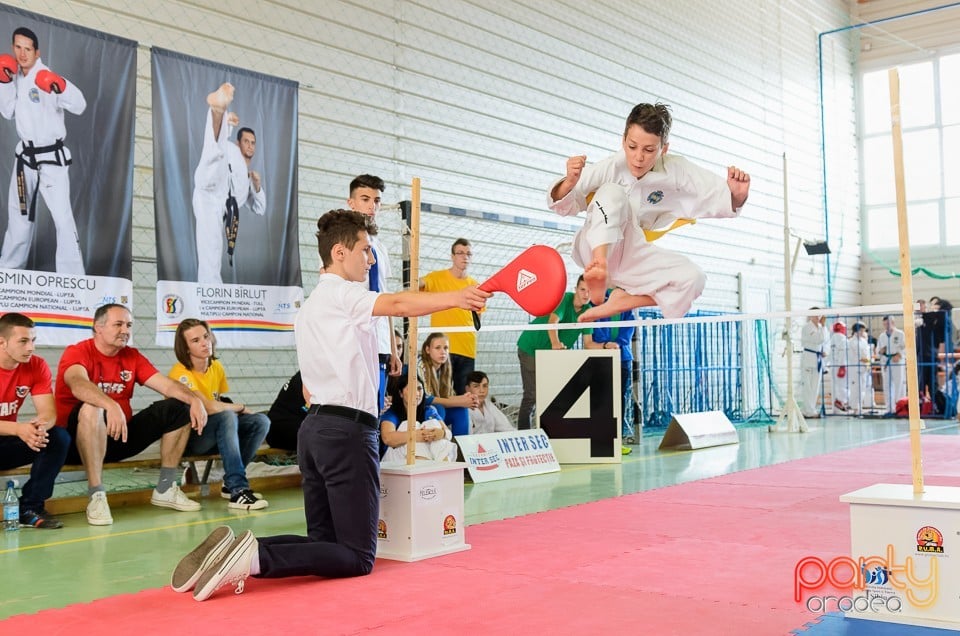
<point>337,345</point>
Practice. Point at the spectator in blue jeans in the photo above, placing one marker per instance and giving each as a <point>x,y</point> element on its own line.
<point>232,430</point>
<point>622,337</point>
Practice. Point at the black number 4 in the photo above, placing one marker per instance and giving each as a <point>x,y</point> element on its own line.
<point>600,427</point>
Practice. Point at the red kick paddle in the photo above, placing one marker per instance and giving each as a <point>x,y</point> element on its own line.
<point>535,280</point>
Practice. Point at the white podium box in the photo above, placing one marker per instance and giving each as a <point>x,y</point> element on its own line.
<point>906,546</point>
<point>690,431</point>
<point>579,404</point>
<point>421,510</point>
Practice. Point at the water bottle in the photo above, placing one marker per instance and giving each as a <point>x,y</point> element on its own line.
<point>11,508</point>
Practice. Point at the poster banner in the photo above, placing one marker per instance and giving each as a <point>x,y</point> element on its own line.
<point>236,312</point>
<point>225,199</point>
<point>493,456</point>
<point>68,98</point>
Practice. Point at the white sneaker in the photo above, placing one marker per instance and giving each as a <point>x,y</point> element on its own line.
<point>191,567</point>
<point>232,568</point>
<point>247,500</point>
<point>98,510</point>
<point>225,493</point>
<point>174,498</point>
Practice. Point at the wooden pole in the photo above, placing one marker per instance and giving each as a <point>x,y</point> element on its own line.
<point>791,418</point>
<point>906,285</point>
<point>787,276</point>
<point>411,393</point>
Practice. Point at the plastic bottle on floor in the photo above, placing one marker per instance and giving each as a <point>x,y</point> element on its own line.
<point>11,508</point>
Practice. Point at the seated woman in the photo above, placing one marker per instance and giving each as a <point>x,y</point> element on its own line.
<point>432,435</point>
<point>486,418</point>
<point>437,373</point>
<point>232,431</point>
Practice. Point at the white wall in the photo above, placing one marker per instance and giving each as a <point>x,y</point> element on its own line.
<point>484,100</point>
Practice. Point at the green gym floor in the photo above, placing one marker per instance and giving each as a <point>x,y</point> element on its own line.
<point>44,569</point>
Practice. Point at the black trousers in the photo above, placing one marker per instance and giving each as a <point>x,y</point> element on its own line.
<point>462,366</point>
<point>45,467</point>
<point>340,465</point>
<point>143,429</point>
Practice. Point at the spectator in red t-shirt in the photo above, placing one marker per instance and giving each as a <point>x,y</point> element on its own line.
<point>94,385</point>
<point>36,441</point>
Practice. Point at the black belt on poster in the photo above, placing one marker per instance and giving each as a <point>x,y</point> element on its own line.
<point>345,412</point>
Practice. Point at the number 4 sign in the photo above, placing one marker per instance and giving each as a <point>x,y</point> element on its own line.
<point>579,404</point>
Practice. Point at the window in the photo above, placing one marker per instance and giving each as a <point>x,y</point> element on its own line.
<point>950,89</point>
<point>930,124</point>
<point>923,224</point>
<point>953,221</point>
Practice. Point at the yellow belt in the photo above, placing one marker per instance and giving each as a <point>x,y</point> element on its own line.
<point>653,235</point>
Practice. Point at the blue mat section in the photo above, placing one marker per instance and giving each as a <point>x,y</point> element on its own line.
<point>835,624</point>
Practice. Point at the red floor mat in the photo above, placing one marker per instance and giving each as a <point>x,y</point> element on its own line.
<point>709,557</point>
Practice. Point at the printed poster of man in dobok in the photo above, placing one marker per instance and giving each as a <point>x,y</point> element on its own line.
<point>224,183</point>
<point>225,201</point>
<point>66,150</point>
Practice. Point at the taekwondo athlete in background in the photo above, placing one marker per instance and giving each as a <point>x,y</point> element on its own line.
<point>840,387</point>
<point>858,369</point>
<point>891,348</point>
<point>814,339</point>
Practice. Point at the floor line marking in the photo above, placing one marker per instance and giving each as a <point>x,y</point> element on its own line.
<point>124,533</point>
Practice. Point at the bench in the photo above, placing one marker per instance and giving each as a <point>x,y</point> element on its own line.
<point>150,458</point>
<point>201,479</point>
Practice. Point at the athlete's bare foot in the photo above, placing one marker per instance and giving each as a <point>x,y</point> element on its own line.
<point>219,99</point>
<point>595,276</point>
<point>619,302</point>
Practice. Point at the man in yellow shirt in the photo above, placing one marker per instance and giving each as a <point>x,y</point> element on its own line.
<point>463,346</point>
<point>232,431</point>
